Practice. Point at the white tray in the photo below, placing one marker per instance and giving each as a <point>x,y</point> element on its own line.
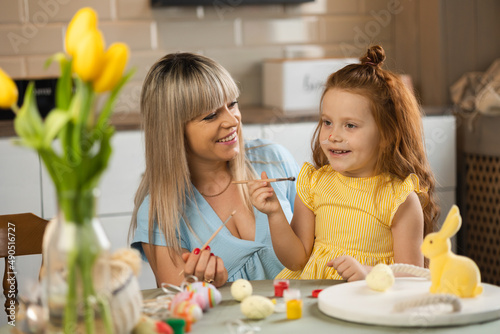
<point>356,302</point>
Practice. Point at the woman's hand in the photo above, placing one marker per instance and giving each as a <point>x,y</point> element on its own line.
<point>349,268</point>
<point>263,197</point>
<point>205,266</point>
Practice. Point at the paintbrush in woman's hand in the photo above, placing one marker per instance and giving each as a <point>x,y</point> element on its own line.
<point>214,234</point>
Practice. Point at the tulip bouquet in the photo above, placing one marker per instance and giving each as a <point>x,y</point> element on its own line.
<point>74,144</point>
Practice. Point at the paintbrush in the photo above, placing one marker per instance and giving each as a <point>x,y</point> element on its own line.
<point>291,178</point>
<point>214,234</point>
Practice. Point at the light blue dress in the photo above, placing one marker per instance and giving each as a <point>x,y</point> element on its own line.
<point>251,260</point>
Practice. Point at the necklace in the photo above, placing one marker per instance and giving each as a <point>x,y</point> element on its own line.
<point>219,193</point>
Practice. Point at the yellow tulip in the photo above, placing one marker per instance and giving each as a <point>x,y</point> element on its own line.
<point>89,56</point>
<point>115,60</point>
<point>83,21</point>
<point>8,91</point>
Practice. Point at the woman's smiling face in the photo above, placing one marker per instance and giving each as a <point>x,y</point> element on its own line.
<point>349,135</point>
<point>214,136</point>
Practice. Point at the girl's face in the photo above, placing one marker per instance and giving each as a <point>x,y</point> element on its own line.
<point>349,135</point>
<point>214,136</point>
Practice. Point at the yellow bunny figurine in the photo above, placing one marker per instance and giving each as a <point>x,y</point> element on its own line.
<point>450,273</point>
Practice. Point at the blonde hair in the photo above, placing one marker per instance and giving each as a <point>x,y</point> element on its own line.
<point>398,117</point>
<point>178,88</point>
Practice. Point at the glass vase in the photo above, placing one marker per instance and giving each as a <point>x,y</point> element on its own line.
<point>77,275</point>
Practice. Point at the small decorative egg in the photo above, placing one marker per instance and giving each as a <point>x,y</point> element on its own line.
<point>380,278</point>
<point>240,289</point>
<point>257,307</point>
<point>209,293</point>
<point>191,296</point>
<point>188,310</point>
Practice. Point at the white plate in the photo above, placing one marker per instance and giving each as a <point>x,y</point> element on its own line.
<point>356,302</point>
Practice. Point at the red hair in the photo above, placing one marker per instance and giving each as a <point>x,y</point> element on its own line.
<point>398,117</point>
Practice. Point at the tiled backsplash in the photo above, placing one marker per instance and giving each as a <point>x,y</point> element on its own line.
<point>239,37</point>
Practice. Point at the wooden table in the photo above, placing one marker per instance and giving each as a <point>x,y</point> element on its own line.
<point>313,321</point>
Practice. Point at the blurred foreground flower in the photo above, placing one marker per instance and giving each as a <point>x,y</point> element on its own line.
<point>74,145</point>
<point>8,91</point>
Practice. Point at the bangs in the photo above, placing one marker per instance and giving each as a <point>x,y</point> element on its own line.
<point>207,89</point>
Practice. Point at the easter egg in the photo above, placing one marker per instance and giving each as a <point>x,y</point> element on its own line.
<point>240,289</point>
<point>257,307</point>
<point>209,294</point>
<point>380,278</point>
<point>187,310</point>
<point>191,296</point>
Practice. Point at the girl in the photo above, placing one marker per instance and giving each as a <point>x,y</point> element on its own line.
<point>369,198</point>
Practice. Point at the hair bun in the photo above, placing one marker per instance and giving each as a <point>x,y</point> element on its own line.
<point>374,56</point>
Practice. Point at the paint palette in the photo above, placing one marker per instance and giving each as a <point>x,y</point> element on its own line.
<point>356,302</point>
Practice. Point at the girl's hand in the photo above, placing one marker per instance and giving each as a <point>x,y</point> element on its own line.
<point>205,266</point>
<point>263,197</point>
<point>349,268</point>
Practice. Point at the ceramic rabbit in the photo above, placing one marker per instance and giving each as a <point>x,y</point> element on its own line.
<point>450,273</point>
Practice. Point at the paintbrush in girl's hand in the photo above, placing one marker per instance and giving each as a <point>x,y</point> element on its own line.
<point>291,178</point>
<point>214,234</point>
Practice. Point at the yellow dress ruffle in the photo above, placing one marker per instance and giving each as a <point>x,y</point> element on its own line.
<point>353,217</point>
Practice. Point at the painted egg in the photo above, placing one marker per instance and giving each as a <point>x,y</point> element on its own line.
<point>257,307</point>
<point>380,278</point>
<point>188,310</point>
<point>240,289</point>
<point>209,293</point>
<point>191,296</point>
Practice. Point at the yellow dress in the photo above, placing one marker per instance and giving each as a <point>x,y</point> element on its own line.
<point>353,217</point>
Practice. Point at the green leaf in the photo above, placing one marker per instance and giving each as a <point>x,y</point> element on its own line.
<point>28,122</point>
<point>58,169</point>
<point>64,87</point>
<point>98,164</point>
<point>54,122</point>
<point>59,56</point>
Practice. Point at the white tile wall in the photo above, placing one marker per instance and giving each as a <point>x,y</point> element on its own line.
<point>35,67</point>
<point>196,34</point>
<point>280,31</point>
<point>63,10</point>
<point>241,37</point>
<point>13,11</point>
<point>30,39</point>
<point>16,66</point>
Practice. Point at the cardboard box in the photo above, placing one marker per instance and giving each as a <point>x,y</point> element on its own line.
<point>295,85</point>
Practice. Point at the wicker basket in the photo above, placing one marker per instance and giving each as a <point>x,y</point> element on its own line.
<point>482,219</point>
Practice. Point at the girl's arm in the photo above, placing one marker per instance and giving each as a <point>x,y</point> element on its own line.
<point>407,231</point>
<point>293,242</point>
<point>202,264</point>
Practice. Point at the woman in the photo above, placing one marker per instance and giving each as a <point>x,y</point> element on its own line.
<point>194,150</point>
